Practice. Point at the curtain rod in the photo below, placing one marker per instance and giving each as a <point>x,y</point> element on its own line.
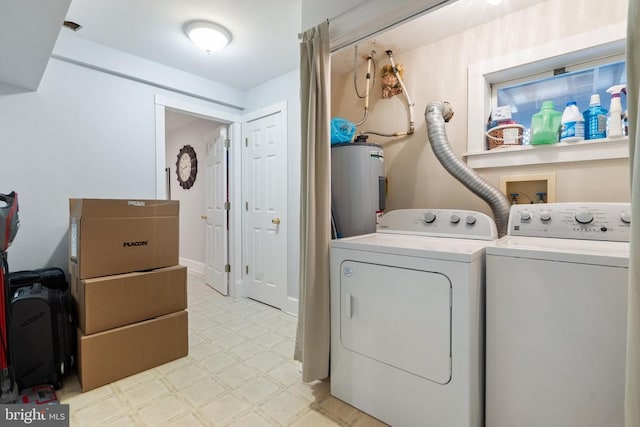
<point>429,9</point>
<point>341,14</point>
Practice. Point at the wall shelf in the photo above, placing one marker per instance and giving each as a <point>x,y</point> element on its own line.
<point>596,149</point>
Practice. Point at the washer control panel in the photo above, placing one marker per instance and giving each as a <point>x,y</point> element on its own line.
<point>587,221</point>
<point>456,223</point>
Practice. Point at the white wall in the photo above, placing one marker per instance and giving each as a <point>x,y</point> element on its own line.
<point>84,133</point>
<point>287,87</point>
<point>192,227</point>
<point>89,131</point>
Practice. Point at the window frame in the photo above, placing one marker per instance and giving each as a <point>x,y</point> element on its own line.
<point>581,48</point>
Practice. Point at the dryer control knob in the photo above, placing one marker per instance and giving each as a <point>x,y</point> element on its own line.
<point>470,220</point>
<point>584,217</point>
<point>455,219</point>
<point>429,217</point>
<point>625,217</point>
<point>545,215</point>
<point>525,216</point>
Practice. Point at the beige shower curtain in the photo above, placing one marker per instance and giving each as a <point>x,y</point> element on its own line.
<point>632,398</point>
<point>314,330</point>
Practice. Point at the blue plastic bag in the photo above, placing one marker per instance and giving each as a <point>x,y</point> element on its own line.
<point>341,130</point>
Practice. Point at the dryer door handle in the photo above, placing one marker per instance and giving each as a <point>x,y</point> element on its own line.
<point>350,302</point>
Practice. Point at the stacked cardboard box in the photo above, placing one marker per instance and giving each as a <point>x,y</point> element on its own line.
<point>130,292</point>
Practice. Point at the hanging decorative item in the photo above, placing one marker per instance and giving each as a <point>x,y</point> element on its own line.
<point>390,84</point>
<point>186,167</point>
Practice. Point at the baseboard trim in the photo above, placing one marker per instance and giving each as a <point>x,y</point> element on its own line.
<point>291,306</point>
<point>192,266</point>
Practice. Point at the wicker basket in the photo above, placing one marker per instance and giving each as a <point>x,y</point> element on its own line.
<point>505,136</point>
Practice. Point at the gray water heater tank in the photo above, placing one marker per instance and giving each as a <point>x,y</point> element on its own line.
<point>358,187</point>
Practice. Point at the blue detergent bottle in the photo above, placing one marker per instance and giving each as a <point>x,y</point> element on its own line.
<point>595,119</point>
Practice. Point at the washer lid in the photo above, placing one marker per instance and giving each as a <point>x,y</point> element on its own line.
<point>442,248</point>
<point>614,254</point>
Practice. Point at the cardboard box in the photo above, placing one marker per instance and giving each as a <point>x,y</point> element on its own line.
<point>118,353</point>
<point>109,237</point>
<point>113,301</point>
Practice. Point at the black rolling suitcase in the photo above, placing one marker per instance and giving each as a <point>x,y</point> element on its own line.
<point>43,339</point>
<point>51,277</point>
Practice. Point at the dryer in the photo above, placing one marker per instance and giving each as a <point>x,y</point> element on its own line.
<point>407,318</point>
<point>556,316</point>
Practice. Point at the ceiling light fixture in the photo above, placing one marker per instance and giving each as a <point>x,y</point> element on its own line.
<point>208,36</point>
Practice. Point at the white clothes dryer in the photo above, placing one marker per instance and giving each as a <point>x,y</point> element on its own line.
<point>556,317</point>
<point>407,318</point>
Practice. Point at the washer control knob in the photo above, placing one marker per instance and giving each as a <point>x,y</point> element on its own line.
<point>525,216</point>
<point>584,217</point>
<point>625,217</point>
<point>455,219</point>
<point>545,215</point>
<point>470,220</point>
<point>429,217</point>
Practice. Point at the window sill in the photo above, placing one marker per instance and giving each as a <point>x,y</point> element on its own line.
<point>595,149</point>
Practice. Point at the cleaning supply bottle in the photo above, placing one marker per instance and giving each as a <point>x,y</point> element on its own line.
<point>595,119</point>
<point>545,125</point>
<point>615,111</point>
<point>625,123</point>
<point>572,128</point>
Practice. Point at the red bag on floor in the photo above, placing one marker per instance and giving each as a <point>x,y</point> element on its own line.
<point>39,395</point>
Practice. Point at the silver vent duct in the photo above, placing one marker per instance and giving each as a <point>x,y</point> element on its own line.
<point>436,114</point>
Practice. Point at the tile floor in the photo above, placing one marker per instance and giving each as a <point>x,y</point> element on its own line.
<point>239,372</point>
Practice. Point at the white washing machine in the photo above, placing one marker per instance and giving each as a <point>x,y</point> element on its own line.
<point>556,317</point>
<point>407,318</point>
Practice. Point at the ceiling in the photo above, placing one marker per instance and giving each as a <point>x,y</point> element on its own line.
<point>441,23</point>
<point>264,35</point>
<point>176,120</point>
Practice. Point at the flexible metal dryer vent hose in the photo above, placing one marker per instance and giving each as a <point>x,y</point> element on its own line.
<point>436,113</point>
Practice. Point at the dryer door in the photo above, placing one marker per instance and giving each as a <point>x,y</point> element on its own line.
<point>386,311</point>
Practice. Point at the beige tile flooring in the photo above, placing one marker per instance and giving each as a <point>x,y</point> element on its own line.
<point>239,372</point>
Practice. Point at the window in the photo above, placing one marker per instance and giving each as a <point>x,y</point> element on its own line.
<point>594,50</point>
<point>575,83</point>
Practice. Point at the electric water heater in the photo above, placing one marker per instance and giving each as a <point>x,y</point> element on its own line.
<point>358,187</point>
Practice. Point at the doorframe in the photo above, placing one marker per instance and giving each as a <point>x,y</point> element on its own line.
<point>278,107</point>
<point>162,103</point>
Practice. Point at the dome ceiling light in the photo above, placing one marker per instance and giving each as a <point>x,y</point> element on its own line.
<point>208,36</point>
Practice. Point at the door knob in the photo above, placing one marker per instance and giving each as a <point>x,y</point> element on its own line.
<point>276,221</point>
<point>204,217</point>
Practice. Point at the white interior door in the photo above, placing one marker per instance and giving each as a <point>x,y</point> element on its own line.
<point>216,212</point>
<point>265,198</point>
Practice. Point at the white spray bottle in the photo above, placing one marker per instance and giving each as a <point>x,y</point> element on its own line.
<point>615,111</point>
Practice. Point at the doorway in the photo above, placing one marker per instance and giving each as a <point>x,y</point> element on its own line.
<point>266,259</point>
<point>186,131</point>
<point>201,124</point>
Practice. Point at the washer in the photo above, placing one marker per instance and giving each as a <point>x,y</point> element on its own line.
<point>407,318</point>
<point>556,316</point>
